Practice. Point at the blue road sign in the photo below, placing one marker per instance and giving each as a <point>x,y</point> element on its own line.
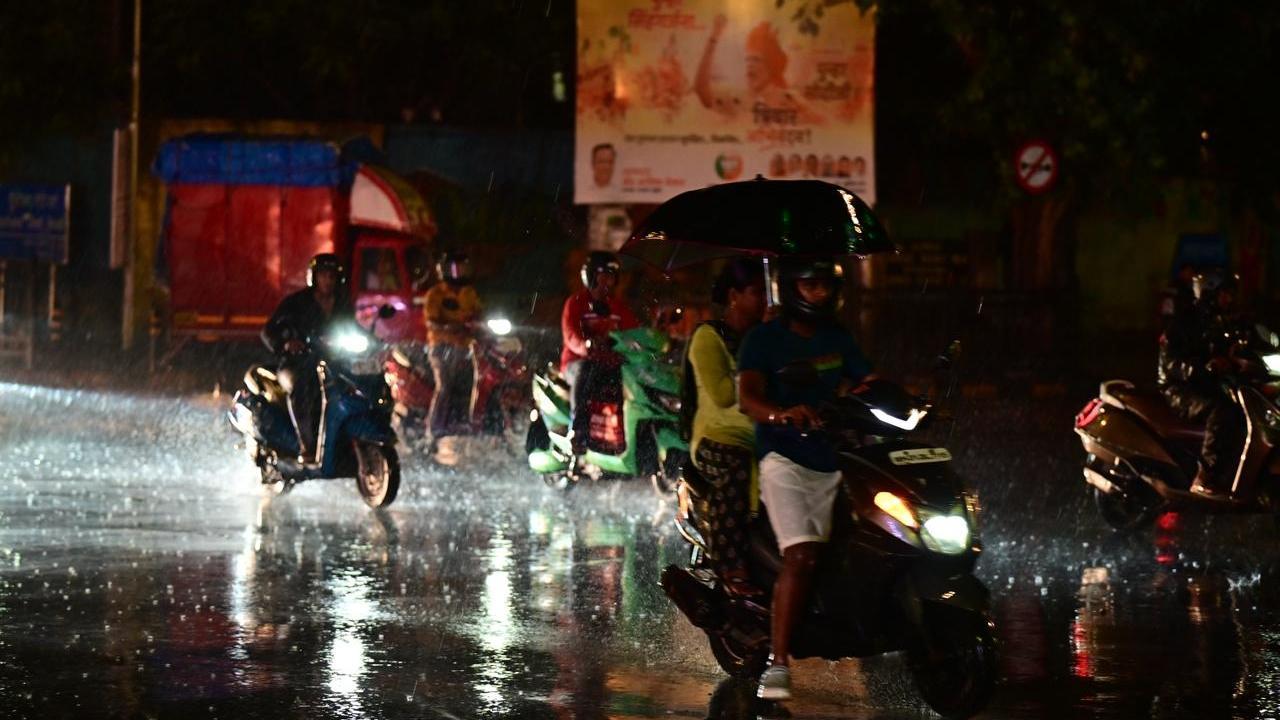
<point>35,222</point>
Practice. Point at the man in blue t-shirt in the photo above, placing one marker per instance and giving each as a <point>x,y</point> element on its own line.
<point>799,474</point>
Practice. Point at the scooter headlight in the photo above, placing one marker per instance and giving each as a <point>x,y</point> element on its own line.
<point>350,342</point>
<point>499,326</point>
<point>946,534</point>
<point>1273,363</point>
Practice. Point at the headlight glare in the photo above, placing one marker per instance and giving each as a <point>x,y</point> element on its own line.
<point>947,534</point>
<point>1273,363</point>
<point>499,326</point>
<point>908,423</point>
<point>352,342</point>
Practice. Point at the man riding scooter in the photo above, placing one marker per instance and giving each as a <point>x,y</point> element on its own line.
<point>300,317</point>
<point>452,305</point>
<point>1193,355</point>
<point>799,471</point>
<point>587,362</point>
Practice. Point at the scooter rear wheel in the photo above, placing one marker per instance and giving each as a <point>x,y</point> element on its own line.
<point>377,473</point>
<point>735,659</point>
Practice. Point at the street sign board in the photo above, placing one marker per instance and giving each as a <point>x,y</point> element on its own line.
<point>1036,167</point>
<point>35,222</point>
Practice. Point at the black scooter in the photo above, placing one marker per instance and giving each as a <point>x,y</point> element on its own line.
<point>897,574</point>
<point>355,437</point>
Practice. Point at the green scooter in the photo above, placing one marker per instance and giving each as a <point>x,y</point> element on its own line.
<point>633,434</point>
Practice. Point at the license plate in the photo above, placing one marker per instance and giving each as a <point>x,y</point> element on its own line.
<point>919,456</point>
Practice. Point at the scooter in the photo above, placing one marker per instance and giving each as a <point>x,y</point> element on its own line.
<point>498,390</point>
<point>1141,457</point>
<point>355,438</point>
<point>634,429</point>
<point>897,573</point>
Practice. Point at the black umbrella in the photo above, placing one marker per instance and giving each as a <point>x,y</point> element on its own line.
<point>758,217</point>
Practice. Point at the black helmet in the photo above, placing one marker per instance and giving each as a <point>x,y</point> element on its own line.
<point>737,274</point>
<point>792,270</point>
<point>596,263</point>
<point>1207,285</point>
<point>325,261</point>
<point>454,267</point>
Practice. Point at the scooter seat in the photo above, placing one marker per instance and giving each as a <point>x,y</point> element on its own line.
<point>1155,411</point>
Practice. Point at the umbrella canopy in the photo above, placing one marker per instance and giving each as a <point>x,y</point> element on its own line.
<point>758,217</point>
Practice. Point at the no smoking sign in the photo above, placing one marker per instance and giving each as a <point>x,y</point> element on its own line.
<point>1035,167</point>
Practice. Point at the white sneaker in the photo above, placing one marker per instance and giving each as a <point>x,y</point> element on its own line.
<point>775,683</point>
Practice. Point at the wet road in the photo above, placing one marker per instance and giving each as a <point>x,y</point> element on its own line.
<point>144,574</point>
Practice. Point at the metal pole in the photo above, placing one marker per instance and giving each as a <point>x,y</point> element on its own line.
<point>55,315</point>
<point>30,310</point>
<point>130,266</point>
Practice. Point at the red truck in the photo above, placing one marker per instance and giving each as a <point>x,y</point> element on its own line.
<point>244,216</point>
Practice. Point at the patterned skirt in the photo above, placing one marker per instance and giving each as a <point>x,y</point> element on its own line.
<point>728,470</point>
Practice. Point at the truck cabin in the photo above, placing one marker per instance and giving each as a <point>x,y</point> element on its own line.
<point>391,270</point>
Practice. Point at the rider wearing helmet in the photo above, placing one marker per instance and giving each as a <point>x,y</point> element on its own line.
<point>301,316</point>
<point>452,305</point>
<point>799,474</point>
<point>587,360</point>
<point>1194,353</point>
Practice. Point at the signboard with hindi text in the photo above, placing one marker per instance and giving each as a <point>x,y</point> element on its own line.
<point>35,222</point>
<point>674,95</point>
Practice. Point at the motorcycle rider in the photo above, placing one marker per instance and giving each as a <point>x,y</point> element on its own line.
<point>721,438</point>
<point>1193,354</point>
<point>301,316</point>
<point>452,304</point>
<point>799,473</point>
<point>588,362</point>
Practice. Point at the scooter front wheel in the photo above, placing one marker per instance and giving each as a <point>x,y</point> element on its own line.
<point>956,673</point>
<point>377,473</point>
<point>1121,511</point>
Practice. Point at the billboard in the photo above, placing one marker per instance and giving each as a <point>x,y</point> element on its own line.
<point>35,222</point>
<point>674,95</point>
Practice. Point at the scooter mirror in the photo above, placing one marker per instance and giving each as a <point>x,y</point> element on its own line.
<point>945,360</point>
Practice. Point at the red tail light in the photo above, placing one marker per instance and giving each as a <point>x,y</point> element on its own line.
<point>1089,413</point>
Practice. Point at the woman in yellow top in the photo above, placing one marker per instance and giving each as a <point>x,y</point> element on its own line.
<point>723,439</point>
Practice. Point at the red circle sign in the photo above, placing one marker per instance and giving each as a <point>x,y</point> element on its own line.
<point>1035,166</point>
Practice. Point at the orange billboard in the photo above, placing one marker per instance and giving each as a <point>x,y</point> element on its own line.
<point>674,95</point>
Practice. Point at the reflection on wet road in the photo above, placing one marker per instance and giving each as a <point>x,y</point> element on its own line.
<point>142,573</point>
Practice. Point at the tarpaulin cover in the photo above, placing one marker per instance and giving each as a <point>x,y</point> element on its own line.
<point>235,160</point>
<point>234,251</point>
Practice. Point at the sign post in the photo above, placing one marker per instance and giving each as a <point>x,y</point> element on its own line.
<point>34,228</point>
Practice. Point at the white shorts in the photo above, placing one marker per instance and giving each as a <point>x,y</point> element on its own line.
<point>799,500</point>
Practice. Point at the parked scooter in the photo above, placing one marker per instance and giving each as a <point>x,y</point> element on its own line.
<point>897,573</point>
<point>355,438</point>
<point>499,388</point>
<point>1142,456</point>
<point>634,429</point>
